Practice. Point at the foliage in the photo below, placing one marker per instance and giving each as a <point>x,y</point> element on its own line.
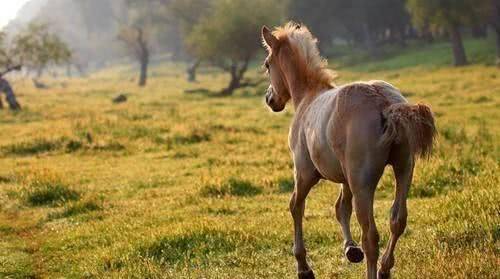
<point>356,21</point>
<point>38,48</point>
<point>230,32</point>
<point>228,35</point>
<point>444,13</point>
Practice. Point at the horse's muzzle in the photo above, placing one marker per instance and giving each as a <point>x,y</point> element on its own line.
<point>271,102</point>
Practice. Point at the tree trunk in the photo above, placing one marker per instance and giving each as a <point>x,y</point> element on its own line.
<point>233,85</point>
<point>9,93</point>
<point>68,70</point>
<point>497,32</point>
<point>144,69</point>
<point>370,46</point>
<point>237,74</point>
<point>495,23</point>
<point>39,72</point>
<point>191,71</point>
<point>479,31</point>
<point>459,56</point>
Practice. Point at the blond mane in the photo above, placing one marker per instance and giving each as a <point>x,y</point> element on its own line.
<point>313,66</point>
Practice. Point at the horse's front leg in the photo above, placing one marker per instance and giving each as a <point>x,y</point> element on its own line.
<point>304,181</point>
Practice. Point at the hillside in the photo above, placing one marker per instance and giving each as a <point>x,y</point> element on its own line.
<point>176,185</point>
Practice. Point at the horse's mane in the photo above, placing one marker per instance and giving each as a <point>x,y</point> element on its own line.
<point>314,67</point>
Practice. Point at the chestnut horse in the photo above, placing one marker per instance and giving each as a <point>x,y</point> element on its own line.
<point>347,135</point>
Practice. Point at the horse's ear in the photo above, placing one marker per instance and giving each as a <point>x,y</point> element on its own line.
<point>270,41</point>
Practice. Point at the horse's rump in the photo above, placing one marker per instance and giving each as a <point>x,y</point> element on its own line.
<point>414,123</point>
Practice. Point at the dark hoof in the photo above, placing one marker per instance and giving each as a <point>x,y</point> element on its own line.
<point>354,254</point>
<point>382,275</point>
<point>306,274</point>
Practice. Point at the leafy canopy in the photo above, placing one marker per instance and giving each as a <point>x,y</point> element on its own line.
<point>446,13</point>
<point>231,30</point>
<point>37,47</point>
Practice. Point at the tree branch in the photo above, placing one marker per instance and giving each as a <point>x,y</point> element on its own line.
<point>10,69</point>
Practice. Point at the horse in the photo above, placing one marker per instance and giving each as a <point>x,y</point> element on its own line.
<point>348,135</point>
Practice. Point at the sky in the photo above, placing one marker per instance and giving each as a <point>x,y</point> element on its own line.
<point>9,9</point>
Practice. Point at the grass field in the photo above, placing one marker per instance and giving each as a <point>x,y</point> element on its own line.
<point>176,185</point>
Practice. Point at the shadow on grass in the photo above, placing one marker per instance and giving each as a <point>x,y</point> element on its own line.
<point>231,187</point>
<point>40,193</point>
<point>285,184</point>
<point>205,92</point>
<point>199,247</point>
<point>42,188</point>
<point>76,209</point>
<point>42,146</point>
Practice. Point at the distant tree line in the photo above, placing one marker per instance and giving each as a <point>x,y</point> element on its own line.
<point>372,23</point>
<point>221,33</point>
<point>225,33</point>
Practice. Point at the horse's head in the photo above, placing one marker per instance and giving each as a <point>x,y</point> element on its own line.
<point>278,93</point>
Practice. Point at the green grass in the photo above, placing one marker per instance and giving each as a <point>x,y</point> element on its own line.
<point>75,209</point>
<point>233,187</point>
<point>176,185</point>
<point>424,55</point>
<point>40,188</point>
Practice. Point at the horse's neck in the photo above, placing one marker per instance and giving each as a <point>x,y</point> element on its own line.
<point>306,98</point>
<point>301,92</point>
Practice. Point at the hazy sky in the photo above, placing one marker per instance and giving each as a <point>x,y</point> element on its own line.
<point>8,10</point>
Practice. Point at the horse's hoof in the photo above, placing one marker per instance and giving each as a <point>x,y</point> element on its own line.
<point>383,275</point>
<point>309,274</point>
<point>354,254</point>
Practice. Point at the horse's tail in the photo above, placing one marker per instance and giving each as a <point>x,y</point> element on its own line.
<point>413,122</point>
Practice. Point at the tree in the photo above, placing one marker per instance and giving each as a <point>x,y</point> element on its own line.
<point>368,23</point>
<point>137,42</point>
<point>450,16</point>
<point>37,48</point>
<point>7,65</point>
<point>187,14</point>
<point>144,22</point>
<point>34,47</point>
<point>494,19</point>
<point>228,36</point>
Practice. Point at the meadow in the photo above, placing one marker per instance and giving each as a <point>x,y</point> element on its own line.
<point>188,185</point>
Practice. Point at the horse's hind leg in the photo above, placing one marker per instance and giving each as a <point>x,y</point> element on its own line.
<point>305,179</point>
<point>363,189</point>
<point>403,170</point>
<point>343,211</point>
